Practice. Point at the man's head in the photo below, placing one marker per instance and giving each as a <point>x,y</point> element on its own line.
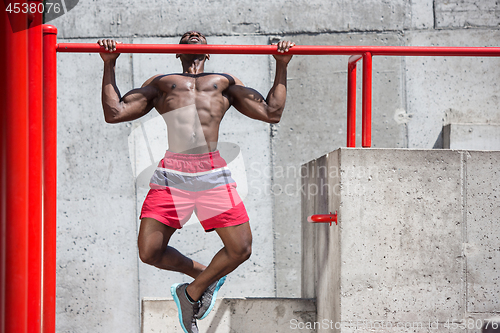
<point>193,37</point>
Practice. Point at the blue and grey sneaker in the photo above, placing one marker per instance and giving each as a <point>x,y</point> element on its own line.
<point>187,309</point>
<point>208,298</point>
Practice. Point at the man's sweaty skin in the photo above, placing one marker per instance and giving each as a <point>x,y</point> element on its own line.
<point>193,104</point>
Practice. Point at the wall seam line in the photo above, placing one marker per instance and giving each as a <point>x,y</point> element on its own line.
<point>272,130</point>
<point>137,223</point>
<point>463,176</point>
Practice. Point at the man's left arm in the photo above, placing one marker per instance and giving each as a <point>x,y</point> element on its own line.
<point>252,104</point>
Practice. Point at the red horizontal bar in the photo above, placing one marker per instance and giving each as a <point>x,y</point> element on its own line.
<point>297,50</point>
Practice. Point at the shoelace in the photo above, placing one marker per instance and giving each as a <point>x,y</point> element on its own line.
<point>196,309</point>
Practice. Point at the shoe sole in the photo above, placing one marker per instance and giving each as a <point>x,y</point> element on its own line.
<point>214,297</point>
<point>173,291</point>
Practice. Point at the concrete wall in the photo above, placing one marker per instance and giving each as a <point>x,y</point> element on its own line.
<point>97,276</point>
<point>440,91</point>
<point>417,237</point>
<point>100,191</point>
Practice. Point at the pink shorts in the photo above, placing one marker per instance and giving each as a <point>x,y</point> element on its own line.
<point>183,183</point>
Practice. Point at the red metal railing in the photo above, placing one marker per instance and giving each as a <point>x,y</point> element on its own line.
<point>35,92</point>
<point>351,100</point>
<point>296,50</point>
<point>49,177</point>
<point>14,146</point>
<point>366,135</point>
<point>367,100</point>
<point>357,52</point>
<point>14,170</point>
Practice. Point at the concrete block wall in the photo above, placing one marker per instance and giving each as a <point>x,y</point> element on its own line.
<point>416,242</point>
<point>100,193</point>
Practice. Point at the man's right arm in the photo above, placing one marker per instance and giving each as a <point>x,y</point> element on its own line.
<point>134,104</point>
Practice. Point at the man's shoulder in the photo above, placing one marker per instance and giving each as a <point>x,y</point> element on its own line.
<point>233,79</point>
<point>152,80</point>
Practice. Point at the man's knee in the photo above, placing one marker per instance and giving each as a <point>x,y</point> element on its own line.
<point>242,253</point>
<point>149,255</point>
<point>247,252</point>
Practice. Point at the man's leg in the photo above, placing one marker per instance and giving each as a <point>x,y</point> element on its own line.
<point>237,249</point>
<point>154,250</point>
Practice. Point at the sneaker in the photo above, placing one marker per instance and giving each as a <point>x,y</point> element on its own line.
<point>208,298</point>
<point>187,309</point>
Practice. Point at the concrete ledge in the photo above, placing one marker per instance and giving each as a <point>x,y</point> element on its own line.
<point>471,136</point>
<point>242,315</point>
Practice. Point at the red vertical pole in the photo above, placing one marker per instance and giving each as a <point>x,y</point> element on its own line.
<point>35,172</point>
<point>3,141</point>
<point>49,177</point>
<point>351,100</point>
<point>14,163</point>
<point>367,100</point>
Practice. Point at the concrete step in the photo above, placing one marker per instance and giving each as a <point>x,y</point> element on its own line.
<point>242,315</point>
<point>471,136</point>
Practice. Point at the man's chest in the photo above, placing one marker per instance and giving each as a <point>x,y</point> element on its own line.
<point>183,84</point>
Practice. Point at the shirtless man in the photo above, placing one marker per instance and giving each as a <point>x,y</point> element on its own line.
<point>193,176</point>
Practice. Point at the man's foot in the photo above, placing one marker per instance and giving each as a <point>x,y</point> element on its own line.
<point>187,309</point>
<point>208,298</point>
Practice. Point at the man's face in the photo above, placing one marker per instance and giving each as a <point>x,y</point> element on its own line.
<point>193,37</point>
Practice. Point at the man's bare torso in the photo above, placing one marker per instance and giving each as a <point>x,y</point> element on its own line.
<point>193,106</point>
<point>192,103</point>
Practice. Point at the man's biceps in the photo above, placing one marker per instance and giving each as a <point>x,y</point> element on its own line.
<point>135,110</point>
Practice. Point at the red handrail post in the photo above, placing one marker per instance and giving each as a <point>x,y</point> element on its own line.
<point>3,141</point>
<point>35,89</point>
<point>367,101</point>
<point>49,177</point>
<point>14,171</point>
<point>351,100</point>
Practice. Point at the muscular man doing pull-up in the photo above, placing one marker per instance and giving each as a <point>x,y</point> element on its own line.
<point>193,176</point>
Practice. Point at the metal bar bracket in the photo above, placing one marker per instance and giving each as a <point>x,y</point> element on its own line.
<point>323,218</point>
